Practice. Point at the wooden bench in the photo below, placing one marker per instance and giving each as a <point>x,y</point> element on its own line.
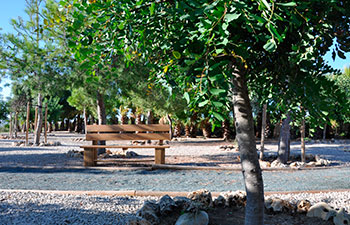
<point>140,132</point>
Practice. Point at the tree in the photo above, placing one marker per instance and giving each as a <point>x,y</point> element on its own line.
<point>222,46</point>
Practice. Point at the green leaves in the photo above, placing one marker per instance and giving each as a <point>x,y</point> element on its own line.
<point>204,103</point>
<point>288,4</point>
<point>152,8</point>
<point>187,97</point>
<point>215,91</point>
<point>177,54</point>
<point>233,16</point>
<point>270,45</point>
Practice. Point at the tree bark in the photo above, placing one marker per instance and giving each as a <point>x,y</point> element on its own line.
<point>284,141</point>
<point>171,126</point>
<point>302,134</point>
<point>226,130</point>
<point>101,113</point>
<point>150,117</point>
<point>15,126</point>
<point>11,126</point>
<point>254,212</point>
<point>27,124</point>
<point>324,131</point>
<point>45,125</point>
<point>39,121</point>
<point>85,121</point>
<point>263,132</point>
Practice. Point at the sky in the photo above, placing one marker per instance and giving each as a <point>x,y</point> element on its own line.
<point>11,9</point>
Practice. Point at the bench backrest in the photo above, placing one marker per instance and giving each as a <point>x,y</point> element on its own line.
<point>127,132</point>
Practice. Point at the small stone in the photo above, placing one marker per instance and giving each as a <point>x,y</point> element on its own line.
<point>196,218</point>
<point>202,196</point>
<point>303,206</point>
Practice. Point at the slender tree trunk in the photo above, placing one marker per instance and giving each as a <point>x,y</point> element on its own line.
<point>254,212</point>
<point>27,123</point>
<point>45,125</point>
<point>263,129</point>
<point>15,126</point>
<point>85,121</point>
<point>177,129</point>
<point>39,121</point>
<point>36,117</point>
<point>50,128</point>
<point>150,117</point>
<point>302,134</point>
<point>284,141</point>
<point>101,113</point>
<point>324,131</point>
<point>226,129</point>
<point>171,126</point>
<point>187,131</point>
<point>11,126</point>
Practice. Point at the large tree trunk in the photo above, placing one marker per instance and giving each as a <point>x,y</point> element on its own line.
<point>254,212</point>
<point>263,132</point>
<point>101,113</point>
<point>39,121</point>
<point>284,141</point>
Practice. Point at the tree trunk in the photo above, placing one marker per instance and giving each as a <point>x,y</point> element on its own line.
<point>45,125</point>
<point>226,130</point>
<point>101,113</point>
<point>177,129</point>
<point>254,212</point>
<point>11,126</point>
<point>39,121</point>
<point>15,126</point>
<point>150,117</point>
<point>206,128</point>
<point>324,131</point>
<point>171,126</point>
<point>263,132</point>
<point>187,131</point>
<point>302,134</point>
<point>85,121</point>
<point>284,141</point>
<point>50,127</point>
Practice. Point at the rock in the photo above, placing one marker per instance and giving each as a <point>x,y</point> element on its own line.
<point>303,206</point>
<point>321,210</point>
<point>182,202</point>
<point>202,196</point>
<point>341,218</point>
<point>166,205</point>
<point>296,164</point>
<point>279,205</point>
<point>136,221</point>
<point>264,163</point>
<point>219,201</point>
<point>236,199</point>
<point>53,143</point>
<point>278,164</point>
<point>75,154</point>
<point>310,164</point>
<point>131,154</point>
<point>322,162</point>
<point>196,218</point>
<point>150,212</point>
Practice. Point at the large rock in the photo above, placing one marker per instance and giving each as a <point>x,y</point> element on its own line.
<point>278,205</point>
<point>278,164</point>
<point>166,205</point>
<point>182,203</point>
<point>150,212</point>
<point>193,218</point>
<point>341,218</point>
<point>321,210</point>
<point>202,196</point>
<point>219,201</point>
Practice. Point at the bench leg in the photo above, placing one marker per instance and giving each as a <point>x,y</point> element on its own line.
<point>159,156</point>
<point>90,157</point>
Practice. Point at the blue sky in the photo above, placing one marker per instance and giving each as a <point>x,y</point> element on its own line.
<point>11,9</point>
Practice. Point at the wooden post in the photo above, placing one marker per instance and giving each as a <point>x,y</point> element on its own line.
<point>159,154</point>
<point>27,122</point>
<point>45,127</point>
<point>263,128</point>
<point>90,156</point>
